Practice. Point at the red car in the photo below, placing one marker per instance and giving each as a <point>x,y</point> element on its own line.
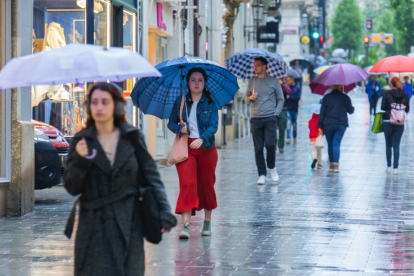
<point>45,177</point>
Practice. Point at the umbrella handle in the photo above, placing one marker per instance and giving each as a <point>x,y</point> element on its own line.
<point>93,155</point>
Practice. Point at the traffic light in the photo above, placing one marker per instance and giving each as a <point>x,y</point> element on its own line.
<point>315,35</point>
<point>366,41</point>
<point>321,39</point>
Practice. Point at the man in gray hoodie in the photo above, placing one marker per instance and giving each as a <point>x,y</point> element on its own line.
<point>266,96</point>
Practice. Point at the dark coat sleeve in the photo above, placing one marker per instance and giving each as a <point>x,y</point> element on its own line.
<point>322,114</point>
<point>407,104</point>
<point>153,179</point>
<point>384,103</point>
<point>350,108</point>
<point>76,169</point>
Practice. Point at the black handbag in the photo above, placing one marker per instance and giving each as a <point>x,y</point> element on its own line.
<point>149,210</point>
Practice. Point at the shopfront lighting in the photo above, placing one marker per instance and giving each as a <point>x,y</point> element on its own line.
<point>81,3</point>
<point>97,7</point>
<point>258,10</point>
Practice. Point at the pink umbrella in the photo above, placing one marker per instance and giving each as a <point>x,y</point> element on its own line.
<point>342,74</point>
<point>320,89</point>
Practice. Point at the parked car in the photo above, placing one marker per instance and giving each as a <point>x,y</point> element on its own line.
<point>51,150</point>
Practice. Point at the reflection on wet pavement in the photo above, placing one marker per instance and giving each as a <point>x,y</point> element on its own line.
<point>358,222</point>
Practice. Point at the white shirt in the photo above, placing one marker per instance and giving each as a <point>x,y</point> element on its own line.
<point>192,120</point>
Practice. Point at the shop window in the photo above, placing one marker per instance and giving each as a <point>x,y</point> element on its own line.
<point>129,40</point>
<point>56,24</point>
<point>101,22</point>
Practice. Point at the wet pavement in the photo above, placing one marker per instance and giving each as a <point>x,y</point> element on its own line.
<point>357,222</point>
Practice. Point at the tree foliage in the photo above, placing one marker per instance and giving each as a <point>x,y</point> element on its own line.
<point>403,22</point>
<point>375,8</point>
<point>347,25</point>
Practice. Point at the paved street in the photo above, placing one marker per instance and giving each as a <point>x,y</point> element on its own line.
<point>357,222</point>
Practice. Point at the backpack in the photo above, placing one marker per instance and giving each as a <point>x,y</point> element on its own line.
<point>397,114</point>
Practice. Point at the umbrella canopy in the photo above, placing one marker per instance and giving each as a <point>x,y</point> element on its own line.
<point>314,108</point>
<point>75,63</point>
<point>321,89</point>
<point>283,54</point>
<point>337,60</point>
<point>368,68</point>
<point>342,74</point>
<point>396,64</point>
<point>241,63</point>
<point>156,96</point>
<point>321,69</point>
<point>320,60</point>
<point>339,52</point>
<point>294,74</point>
<point>303,62</point>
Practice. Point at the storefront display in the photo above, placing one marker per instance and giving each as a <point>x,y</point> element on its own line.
<point>58,23</point>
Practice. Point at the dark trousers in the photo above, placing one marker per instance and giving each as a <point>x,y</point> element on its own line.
<point>373,104</point>
<point>393,134</point>
<point>264,133</point>
<point>334,134</point>
<point>298,82</point>
<point>281,124</point>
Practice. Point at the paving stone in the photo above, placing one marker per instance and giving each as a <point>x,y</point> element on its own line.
<point>357,222</point>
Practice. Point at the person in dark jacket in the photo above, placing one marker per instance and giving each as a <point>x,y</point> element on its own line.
<point>333,120</point>
<point>109,238</point>
<point>282,119</point>
<point>197,173</point>
<point>393,132</point>
<point>373,89</point>
<point>293,107</point>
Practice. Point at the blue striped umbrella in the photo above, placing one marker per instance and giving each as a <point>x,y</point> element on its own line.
<point>156,95</point>
<point>241,63</point>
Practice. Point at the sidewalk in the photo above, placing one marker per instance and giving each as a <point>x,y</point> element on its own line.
<point>357,222</point>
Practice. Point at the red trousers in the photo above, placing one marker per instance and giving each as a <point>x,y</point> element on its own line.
<point>197,177</point>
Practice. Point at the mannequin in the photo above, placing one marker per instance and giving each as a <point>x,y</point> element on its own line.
<point>54,38</point>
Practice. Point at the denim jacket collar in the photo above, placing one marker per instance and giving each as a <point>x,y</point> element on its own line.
<point>187,98</point>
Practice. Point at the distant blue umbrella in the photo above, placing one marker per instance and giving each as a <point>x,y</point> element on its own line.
<point>156,95</point>
<point>241,63</point>
<point>294,74</point>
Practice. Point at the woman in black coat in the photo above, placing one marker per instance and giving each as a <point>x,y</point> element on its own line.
<point>109,238</point>
<point>333,119</point>
<point>392,131</point>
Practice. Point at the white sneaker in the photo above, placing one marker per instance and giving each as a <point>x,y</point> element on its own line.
<point>262,180</point>
<point>388,170</point>
<point>273,175</point>
<point>395,171</point>
<point>287,141</point>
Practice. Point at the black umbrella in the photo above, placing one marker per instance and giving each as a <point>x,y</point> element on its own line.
<point>303,62</point>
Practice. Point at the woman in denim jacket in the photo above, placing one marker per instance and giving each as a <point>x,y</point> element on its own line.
<point>197,173</point>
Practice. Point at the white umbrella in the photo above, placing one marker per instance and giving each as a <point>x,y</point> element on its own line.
<point>368,68</point>
<point>75,63</point>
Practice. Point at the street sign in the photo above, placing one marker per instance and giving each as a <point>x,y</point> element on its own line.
<point>382,37</point>
<point>305,39</point>
<point>368,25</point>
<point>388,38</point>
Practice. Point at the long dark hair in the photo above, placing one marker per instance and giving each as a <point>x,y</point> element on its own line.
<point>117,96</point>
<point>205,91</point>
